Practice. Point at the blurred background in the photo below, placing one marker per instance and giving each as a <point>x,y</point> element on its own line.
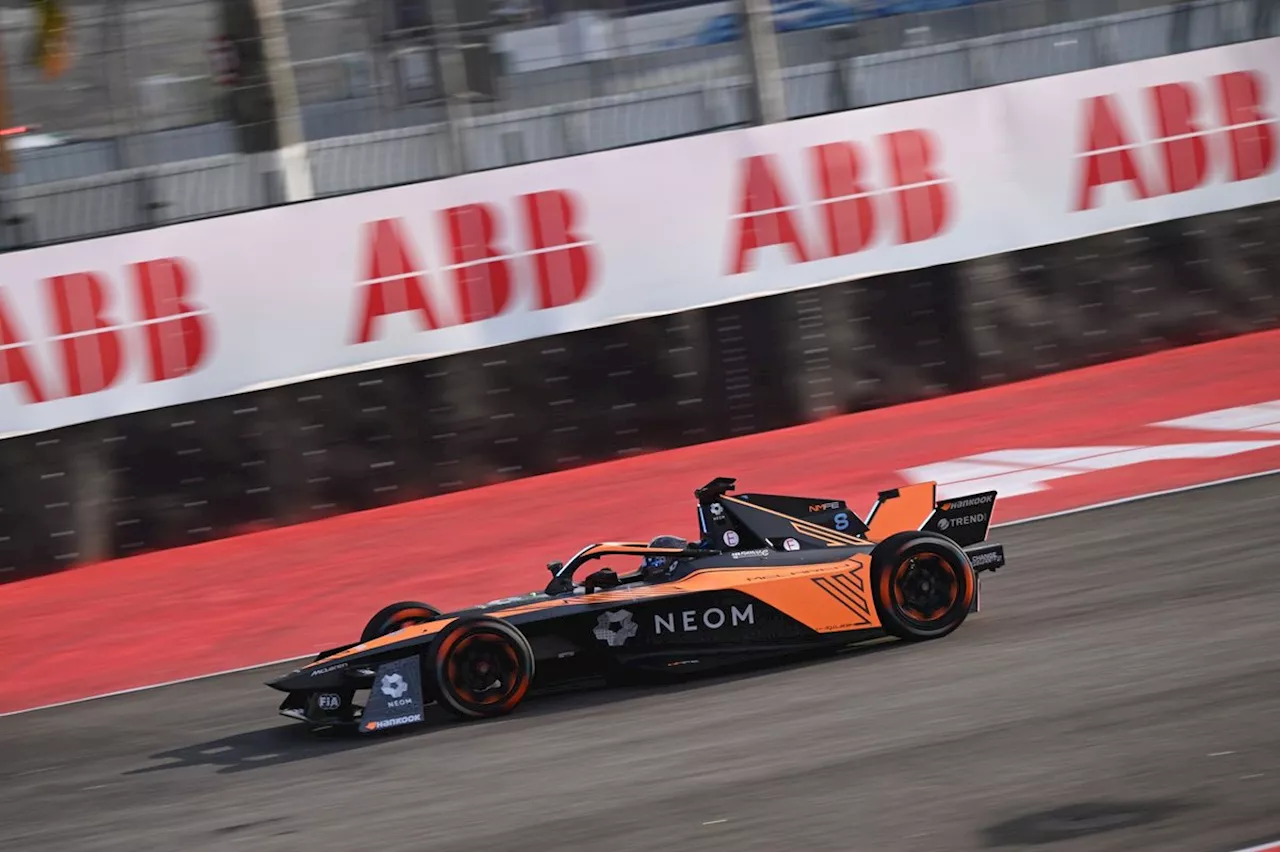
<point>147,112</point>
<point>1110,698</point>
<point>122,115</point>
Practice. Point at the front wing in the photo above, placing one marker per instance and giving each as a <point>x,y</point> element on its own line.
<point>397,697</point>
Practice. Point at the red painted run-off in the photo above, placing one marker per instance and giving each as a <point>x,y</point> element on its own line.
<point>288,592</point>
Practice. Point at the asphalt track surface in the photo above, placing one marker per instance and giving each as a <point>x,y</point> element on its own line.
<point>1120,690</point>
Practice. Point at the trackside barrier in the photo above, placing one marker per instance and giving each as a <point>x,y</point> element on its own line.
<point>185,474</point>
<point>162,387</point>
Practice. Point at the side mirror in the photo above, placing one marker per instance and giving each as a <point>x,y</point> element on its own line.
<point>558,586</point>
<point>605,578</point>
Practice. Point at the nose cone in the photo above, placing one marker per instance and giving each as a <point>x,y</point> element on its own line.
<point>317,675</point>
<point>290,682</point>
<point>321,672</point>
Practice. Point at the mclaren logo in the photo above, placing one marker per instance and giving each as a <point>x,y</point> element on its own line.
<point>327,669</point>
<point>615,628</point>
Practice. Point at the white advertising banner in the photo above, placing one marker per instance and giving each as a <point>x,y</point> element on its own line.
<point>188,312</point>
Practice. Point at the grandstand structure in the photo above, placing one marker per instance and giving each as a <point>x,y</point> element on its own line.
<point>141,132</point>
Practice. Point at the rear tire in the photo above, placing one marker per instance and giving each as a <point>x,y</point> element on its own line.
<point>483,667</point>
<point>923,584</point>
<point>397,616</point>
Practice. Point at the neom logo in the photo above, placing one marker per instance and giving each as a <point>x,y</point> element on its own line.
<point>712,619</point>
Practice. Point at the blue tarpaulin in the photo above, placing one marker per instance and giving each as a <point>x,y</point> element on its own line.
<point>792,15</point>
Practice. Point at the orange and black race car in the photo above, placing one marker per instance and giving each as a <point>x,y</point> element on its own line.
<point>770,577</point>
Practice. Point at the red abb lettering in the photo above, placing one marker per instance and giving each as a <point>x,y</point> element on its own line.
<point>922,200</point>
<point>484,279</point>
<point>848,212</point>
<point>1181,140</point>
<point>393,282</point>
<point>481,277</point>
<point>1109,153</point>
<point>1251,133</point>
<point>15,367</point>
<point>1112,155</point>
<point>90,344</point>
<point>918,192</point>
<point>174,328</point>
<point>561,260</point>
<point>764,215</point>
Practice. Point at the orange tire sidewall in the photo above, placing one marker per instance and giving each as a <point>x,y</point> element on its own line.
<point>963,573</point>
<point>456,639</point>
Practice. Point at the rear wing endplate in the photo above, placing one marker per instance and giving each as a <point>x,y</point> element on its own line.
<point>965,520</point>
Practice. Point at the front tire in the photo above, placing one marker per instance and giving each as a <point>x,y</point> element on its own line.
<point>483,667</point>
<point>923,585</point>
<point>397,616</point>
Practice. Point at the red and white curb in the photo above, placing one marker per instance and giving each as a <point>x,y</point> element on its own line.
<point>1015,472</point>
<point>1273,846</point>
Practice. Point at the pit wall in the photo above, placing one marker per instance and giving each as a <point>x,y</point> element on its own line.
<point>171,386</point>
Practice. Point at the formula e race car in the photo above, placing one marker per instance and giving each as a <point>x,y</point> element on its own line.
<point>771,577</point>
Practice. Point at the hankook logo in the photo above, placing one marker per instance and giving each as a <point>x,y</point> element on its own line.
<point>965,504</point>
<point>391,723</point>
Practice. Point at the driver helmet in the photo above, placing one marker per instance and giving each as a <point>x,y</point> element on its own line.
<point>660,564</point>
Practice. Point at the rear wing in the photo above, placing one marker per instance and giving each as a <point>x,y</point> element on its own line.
<point>965,520</point>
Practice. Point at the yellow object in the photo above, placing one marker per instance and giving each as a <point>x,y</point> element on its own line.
<point>51,51</point>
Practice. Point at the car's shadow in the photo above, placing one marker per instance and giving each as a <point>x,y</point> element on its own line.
<point>290,742</point>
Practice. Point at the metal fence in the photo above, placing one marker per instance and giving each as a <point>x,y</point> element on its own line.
<point>140,133</point>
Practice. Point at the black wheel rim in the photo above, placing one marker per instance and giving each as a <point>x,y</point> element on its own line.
<point>484,669</point>
<point>925,589</point>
